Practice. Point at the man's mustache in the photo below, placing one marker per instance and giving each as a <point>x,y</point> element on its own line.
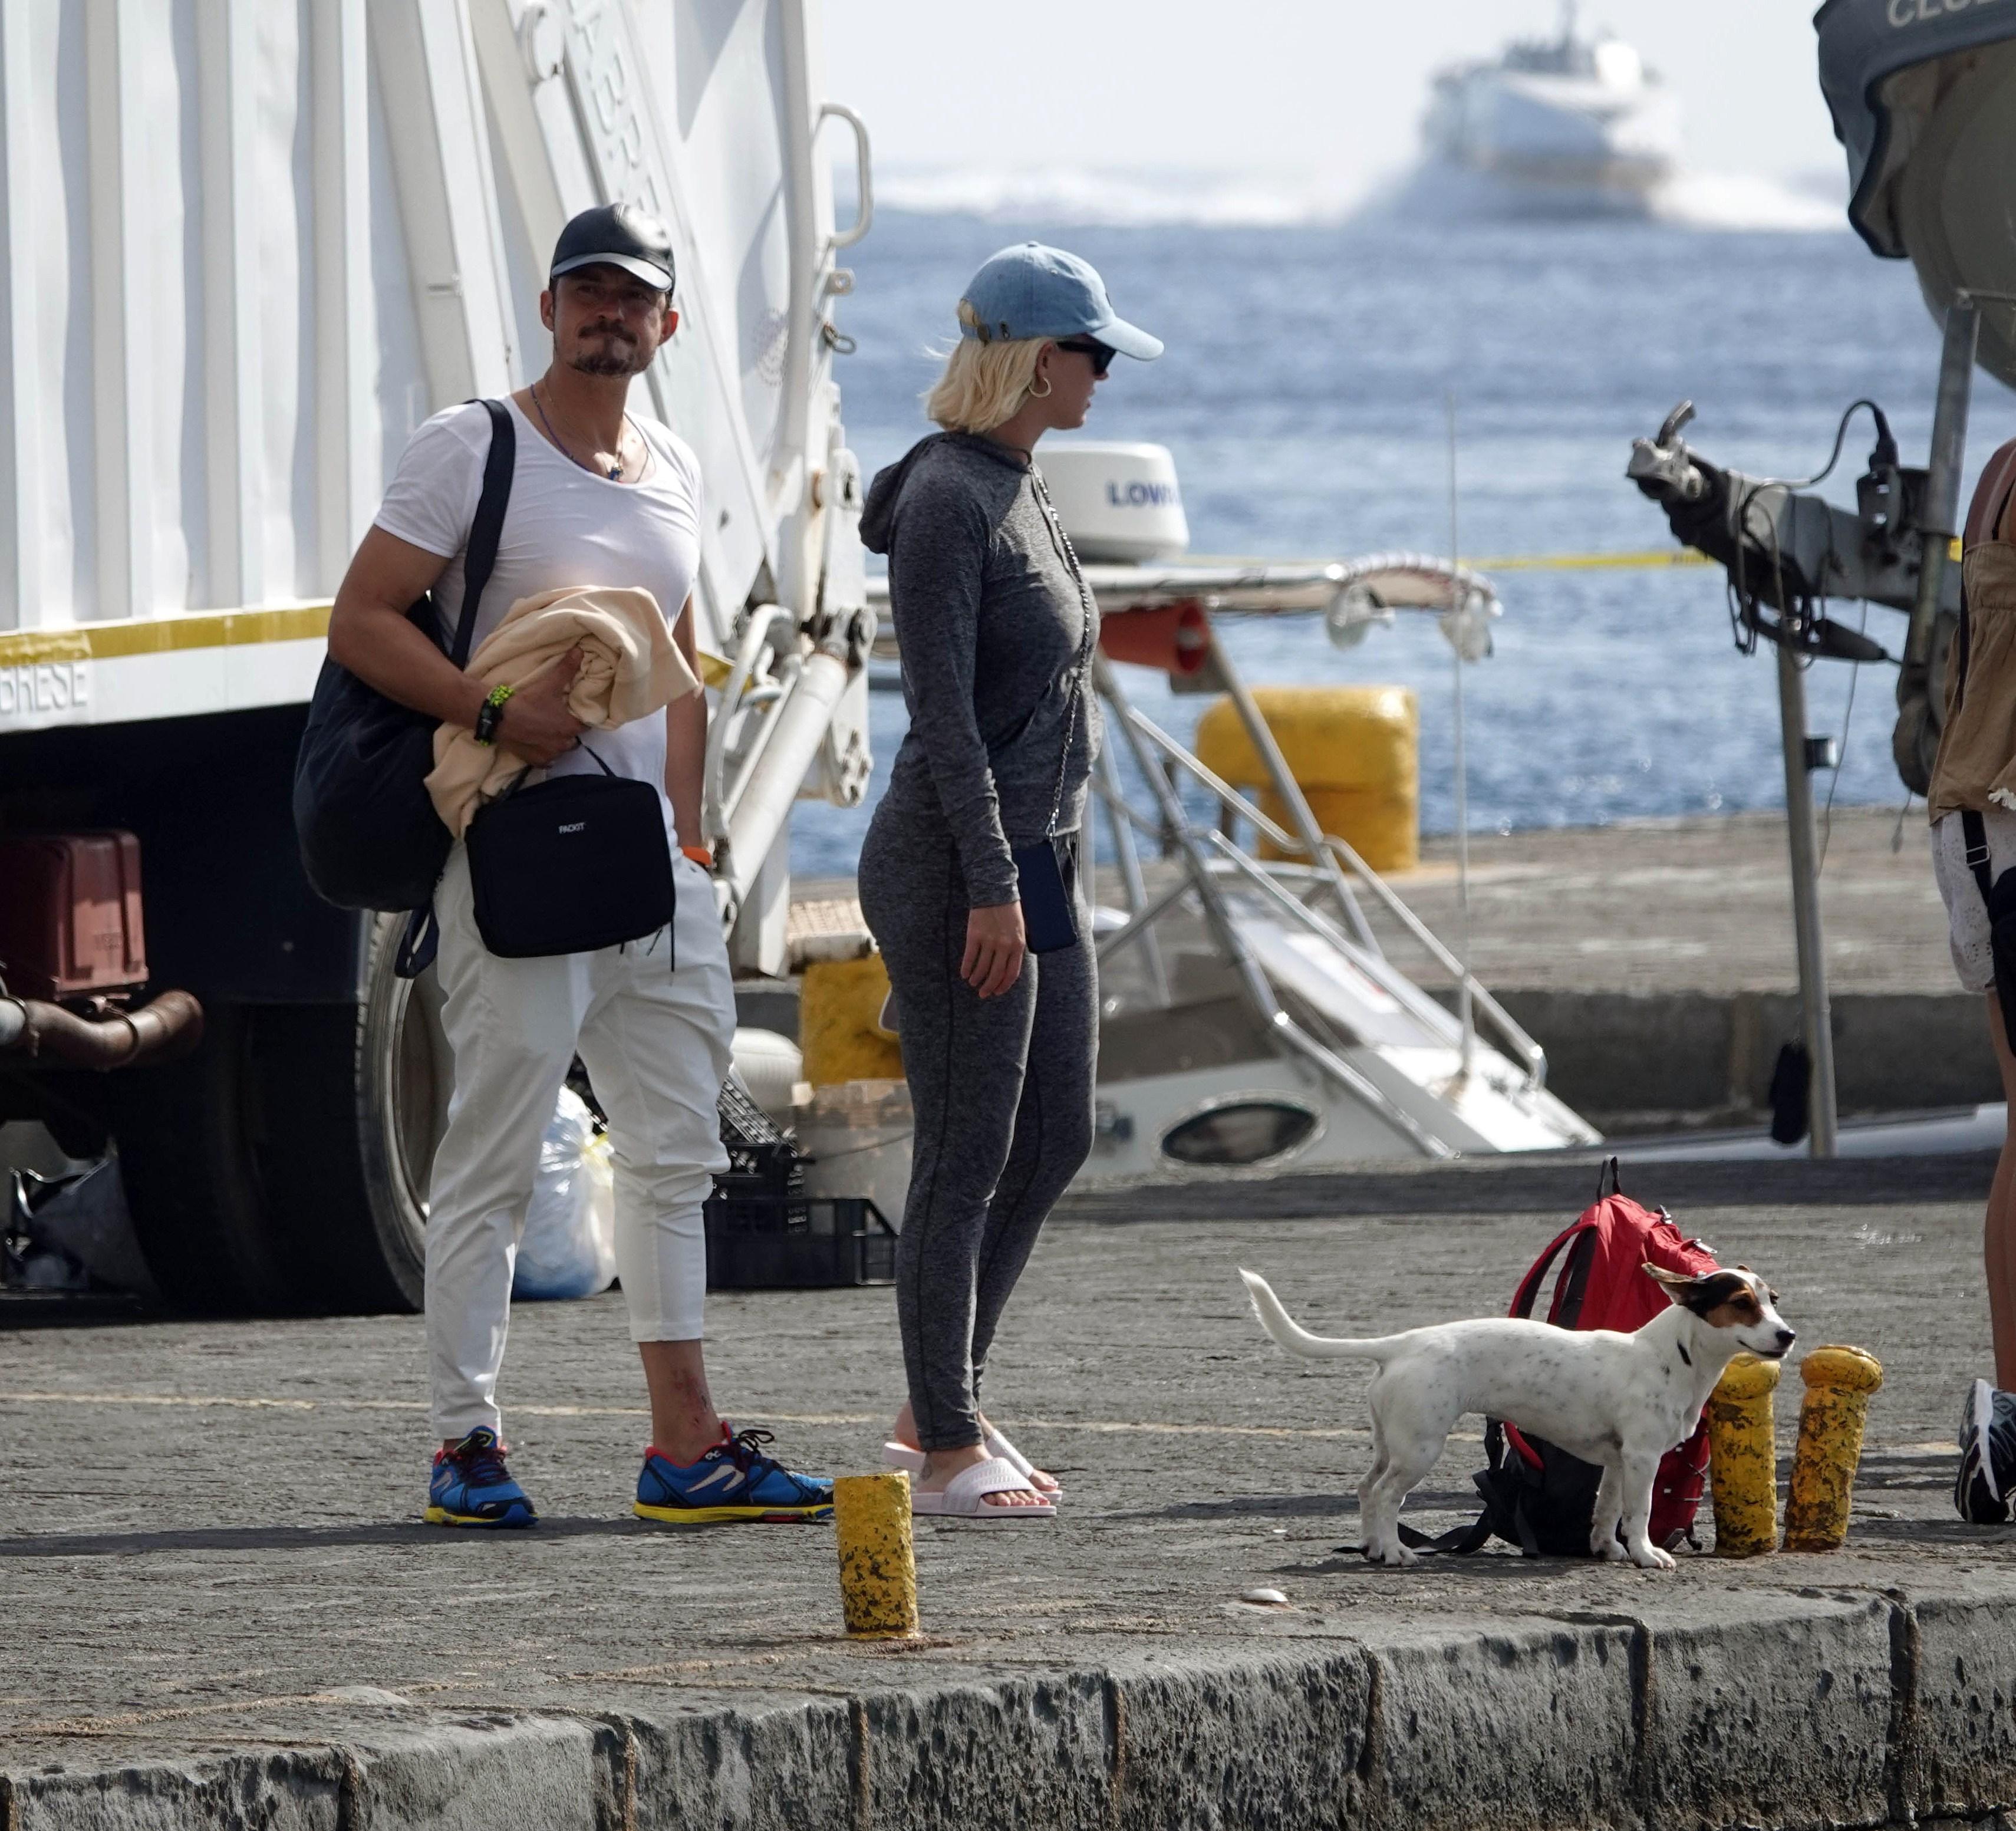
<point>608,330</point>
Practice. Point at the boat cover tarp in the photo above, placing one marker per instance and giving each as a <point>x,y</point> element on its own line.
<point>1863,44</point>
<point>1924,97</point>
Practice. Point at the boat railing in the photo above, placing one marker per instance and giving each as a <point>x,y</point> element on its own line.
<point>1326,857</point>
<point>1173,826</point>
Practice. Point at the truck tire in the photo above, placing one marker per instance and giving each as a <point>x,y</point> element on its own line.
<point>284,1167</point>
<point>363,1102</point>
<point>187,1135</point>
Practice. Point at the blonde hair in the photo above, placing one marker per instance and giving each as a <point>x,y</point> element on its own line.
<point>984,382</point>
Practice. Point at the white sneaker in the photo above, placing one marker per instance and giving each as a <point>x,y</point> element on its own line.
<point>1985,1487</point>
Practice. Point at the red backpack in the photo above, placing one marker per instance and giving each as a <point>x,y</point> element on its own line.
<point>1536,1496</point>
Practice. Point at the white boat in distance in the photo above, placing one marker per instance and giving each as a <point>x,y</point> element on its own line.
<point>1567,126</point>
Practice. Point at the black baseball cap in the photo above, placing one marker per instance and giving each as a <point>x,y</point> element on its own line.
<point>620,235</point>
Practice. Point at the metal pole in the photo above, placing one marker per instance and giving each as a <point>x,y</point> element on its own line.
<point>1920,699</point>
<point>1465,1008</point>
<point>1941,520</point>
<point>1816,1015</point>
<point>1128,860</point>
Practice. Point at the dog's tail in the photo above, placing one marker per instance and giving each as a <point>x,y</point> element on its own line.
<point>1298,1340</point>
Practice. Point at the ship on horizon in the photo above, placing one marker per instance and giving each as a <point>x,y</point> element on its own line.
<point>1572,125</point>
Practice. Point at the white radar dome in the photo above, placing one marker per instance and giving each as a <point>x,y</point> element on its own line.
<point>1617,66</point>
<point>1119,503</point>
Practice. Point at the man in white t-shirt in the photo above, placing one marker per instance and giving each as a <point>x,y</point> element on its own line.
<point>600,496</point>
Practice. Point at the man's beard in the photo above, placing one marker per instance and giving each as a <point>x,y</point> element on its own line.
<point>619,354</point>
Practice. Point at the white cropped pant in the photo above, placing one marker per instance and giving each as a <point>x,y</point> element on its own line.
<point>655,1039</point>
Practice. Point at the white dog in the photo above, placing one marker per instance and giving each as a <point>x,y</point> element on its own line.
<point>1620,1401</point>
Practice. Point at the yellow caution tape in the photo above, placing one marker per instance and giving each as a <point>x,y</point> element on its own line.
<point>1678,555</point>
<point>1649,558</point>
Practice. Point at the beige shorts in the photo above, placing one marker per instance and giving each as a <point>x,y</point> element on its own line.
<point>1966,915</point>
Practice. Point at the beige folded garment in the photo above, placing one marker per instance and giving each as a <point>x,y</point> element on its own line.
<point>630,668</point>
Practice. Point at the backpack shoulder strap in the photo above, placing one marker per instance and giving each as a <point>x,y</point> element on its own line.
<point>484,530</point>
<point>1529,1286</point>
<point>1458,1541</point>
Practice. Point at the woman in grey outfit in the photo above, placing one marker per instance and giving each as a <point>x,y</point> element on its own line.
<point>996,629</point>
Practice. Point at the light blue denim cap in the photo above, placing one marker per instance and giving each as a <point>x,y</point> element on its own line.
<point>1030,291</point>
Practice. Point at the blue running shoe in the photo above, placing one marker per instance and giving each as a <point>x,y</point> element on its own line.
<point>734,1480</point>
<point>471,1486</point>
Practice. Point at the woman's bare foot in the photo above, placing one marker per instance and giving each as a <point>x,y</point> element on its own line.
<point>905,1433</point>
<point>942,1465</point>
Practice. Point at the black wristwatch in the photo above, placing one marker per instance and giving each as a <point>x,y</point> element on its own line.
<point>491,714</point>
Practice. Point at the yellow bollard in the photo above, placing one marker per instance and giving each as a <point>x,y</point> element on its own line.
<point>1743,1468</point>
<point>1838,1383</point>
<point>1352,749</point>
<point>839,1022</point>
<point>878,1576</point>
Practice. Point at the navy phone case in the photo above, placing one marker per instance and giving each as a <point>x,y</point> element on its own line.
<point>1046,877</point>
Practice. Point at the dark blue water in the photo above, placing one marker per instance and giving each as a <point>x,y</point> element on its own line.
<point>1303,398</point>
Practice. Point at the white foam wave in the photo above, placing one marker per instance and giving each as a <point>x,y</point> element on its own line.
<point>1080,197</point>
<point>1084,197</point>
<point>1739,200</point>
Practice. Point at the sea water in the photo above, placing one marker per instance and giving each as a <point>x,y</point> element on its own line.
<point>1304,393</point>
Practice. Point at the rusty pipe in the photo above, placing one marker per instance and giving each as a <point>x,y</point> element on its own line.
<point>169,1025</point>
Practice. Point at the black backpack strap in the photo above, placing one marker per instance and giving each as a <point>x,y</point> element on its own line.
<point>1458,1541</point>
<point>1974,830</point>
<point>1608,1181</point>
<point>417,946</point>
<point>483,532</point>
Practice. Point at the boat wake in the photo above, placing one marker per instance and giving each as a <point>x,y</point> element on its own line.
<point>1080,197</point>
<point>1742,200</point>
<point>1436,191</point>
<point>1085,196</point>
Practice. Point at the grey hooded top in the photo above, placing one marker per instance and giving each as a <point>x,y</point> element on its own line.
<point>991,623</point>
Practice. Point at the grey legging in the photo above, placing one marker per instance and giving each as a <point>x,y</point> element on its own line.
<point>1001,1088</point>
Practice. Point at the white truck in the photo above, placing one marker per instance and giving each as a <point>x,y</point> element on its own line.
<point>247,247</point>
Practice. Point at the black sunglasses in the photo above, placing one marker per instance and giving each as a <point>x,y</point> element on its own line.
<point>1101,354</point>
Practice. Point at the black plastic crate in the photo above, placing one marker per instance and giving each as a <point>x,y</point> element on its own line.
<point>758,1243</point>
<point>763,1162</point>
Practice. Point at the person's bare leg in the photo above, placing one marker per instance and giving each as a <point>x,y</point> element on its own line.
<point>684,1423</point>
<point>905,1433</point>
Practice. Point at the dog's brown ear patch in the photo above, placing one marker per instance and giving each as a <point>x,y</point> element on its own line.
<point>1720,1289</point>
<point>1673,1280</point>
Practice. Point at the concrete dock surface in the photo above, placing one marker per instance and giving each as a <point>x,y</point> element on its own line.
<point>218,1606</point>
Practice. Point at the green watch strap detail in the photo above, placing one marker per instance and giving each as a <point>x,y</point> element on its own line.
<point>492,710</point>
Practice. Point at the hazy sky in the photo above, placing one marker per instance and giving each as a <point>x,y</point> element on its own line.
<point>1329,91</point>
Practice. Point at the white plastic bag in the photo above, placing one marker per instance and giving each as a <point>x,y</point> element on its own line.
<point>568,1248</point>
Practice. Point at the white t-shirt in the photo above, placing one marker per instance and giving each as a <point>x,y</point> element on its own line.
<point>564,525</point>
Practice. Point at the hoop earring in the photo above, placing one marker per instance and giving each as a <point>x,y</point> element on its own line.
<point>1045,394</point>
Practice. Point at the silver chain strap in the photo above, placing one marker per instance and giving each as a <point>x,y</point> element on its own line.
<point>1083,660</point>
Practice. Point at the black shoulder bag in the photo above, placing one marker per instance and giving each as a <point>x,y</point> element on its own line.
<point>369,834</point>
<point>1047,872</point>
<point>571,864</point>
